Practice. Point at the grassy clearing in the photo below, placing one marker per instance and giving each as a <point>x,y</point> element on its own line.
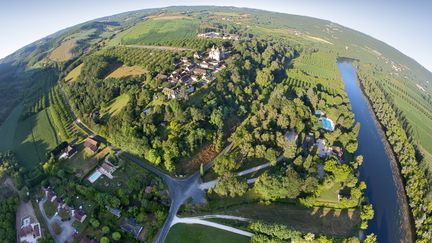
<point>8,128</point>
<point>157,30</point>
<point>126,71</point>
<point>34,138</point>
<point>64,51</point>
<point>115,106</point>
<point>50,209</point>
<point>73,75</point>
<point>189,233</point>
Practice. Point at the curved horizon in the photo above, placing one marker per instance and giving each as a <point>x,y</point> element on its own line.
<point>70,19</point>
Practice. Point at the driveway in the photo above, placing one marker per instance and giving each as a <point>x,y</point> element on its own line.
<point>66,226</point>
<point>200,220</point>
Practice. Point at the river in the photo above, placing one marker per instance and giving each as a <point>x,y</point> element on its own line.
<point>376,170</point>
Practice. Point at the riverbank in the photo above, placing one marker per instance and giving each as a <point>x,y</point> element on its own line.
<point>407,218</point>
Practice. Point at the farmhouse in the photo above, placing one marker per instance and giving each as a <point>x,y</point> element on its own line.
<point>172,94</point>
<point>29,231</point>
<point>79,215</point>
<point>129,225</point>
<point>91,144</point>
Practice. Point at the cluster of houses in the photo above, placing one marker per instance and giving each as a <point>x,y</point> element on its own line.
<point>30,230</point>
<point>217,35</point>
<point>200,69</point>
<point>59,203</point>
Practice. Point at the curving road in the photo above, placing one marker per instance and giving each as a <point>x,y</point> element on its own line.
<point>179,190</point>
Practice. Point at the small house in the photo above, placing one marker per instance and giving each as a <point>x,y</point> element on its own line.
<point>129,225</point>
<point>29,231</point>
<point>79,215</point>
<point>172,94</point>
<point>107,169</point>
<point>91,144</point>
<point>114,211</point>
<point>161,77</point>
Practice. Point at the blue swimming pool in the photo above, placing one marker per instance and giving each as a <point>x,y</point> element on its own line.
<point>327,124</point>
<point>94,176</point>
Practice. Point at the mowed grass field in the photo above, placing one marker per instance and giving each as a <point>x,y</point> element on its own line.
<point>335,222</point>
<point>64,51</point>
<point>195,233</point>
<point>30,139</point>
<point>158,30</point>
<point>126,71</point>
<point>73,75</point>
<point>115,106</point>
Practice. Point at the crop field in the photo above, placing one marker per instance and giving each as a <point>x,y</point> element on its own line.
<point>157,30</point>
<point>73,75</point>
<point>160,17</point>
<point>126,71</point>
<point>34,137</point>
<point>149,59</point>
<point>186,233</point>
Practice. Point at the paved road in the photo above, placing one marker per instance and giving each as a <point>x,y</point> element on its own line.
<point>200,220</point>
<point>179,190</point>
<point>212,184</point>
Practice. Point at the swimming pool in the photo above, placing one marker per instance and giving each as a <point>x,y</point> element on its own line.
<point>327,124</point>
<point>94,176</point>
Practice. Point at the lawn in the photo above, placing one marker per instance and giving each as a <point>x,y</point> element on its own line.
<point>57,229</point>
<point>194,233</point>
<point>73,75</point>
<point>83,161</point>
<point>126,71</point>
<point>158,30</point>
<point>330,196</point>
<point>34,138</point>
<point>50,209</point>
<point>115,106</point>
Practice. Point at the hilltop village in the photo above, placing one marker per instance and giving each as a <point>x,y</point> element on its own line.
<point>200,69</point>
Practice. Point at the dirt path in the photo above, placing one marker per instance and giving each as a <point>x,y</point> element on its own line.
<point>200,220</point>
<point>163,48</point>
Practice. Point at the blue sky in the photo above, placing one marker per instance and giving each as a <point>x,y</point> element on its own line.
<point>406,25</point>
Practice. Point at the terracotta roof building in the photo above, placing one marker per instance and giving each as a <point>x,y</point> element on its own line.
<point>91,144</point>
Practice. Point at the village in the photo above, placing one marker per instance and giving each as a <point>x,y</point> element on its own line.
<point>200,69</point>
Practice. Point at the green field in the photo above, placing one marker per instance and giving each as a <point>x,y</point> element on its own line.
<point>115,106</point>
<point>157,30</point>
<point>30,139</point>
<point>8,128</point>
<point>194,233</point>
<point>73,75</point>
